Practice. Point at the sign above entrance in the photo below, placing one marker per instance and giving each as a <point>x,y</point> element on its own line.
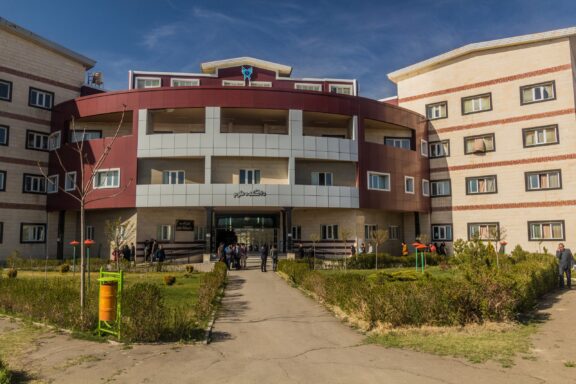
<point>184,225</point>
<point>254,193</point>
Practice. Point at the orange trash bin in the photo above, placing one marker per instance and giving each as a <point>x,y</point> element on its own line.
<point>107,305</point>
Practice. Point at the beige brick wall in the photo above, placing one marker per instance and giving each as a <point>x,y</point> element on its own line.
<point>150,170</point>
<point>12,219</point>
<point>226,170</point>
<point>343,172</point>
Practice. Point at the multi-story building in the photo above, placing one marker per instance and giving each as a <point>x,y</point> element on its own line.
<point>501,138</point>
<point>35,74</point>
<point>244,152</point>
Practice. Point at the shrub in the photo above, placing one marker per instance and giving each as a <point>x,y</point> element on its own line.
<point>144,313</point>
<point>295,269</point>
<point>189,268</point>
<point>208,291</point>
<point>12,273</point>
<point>5,375</point>
<point>64,268</point>
<point>169,279</point>
<point>368,261</point>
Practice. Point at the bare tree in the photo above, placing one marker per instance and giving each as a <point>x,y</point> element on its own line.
<point>314,237</point>
<point>379,236</point>
<point>346,233</point>
<point>85,186</point>
<point>498,235</point>
<point>118,233</point>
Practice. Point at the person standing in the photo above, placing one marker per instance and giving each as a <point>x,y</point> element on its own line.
<point>565,262</point>
<point>243,255</point>
<point>404,249</point>
<point>153,249</point>
<point>132,252</point>
<point>353,250</point>
<point>263,257</point>
<point>370,248</point>
<point>300,252</point>
<point>147,250</point>
<point>160,255</point>
<point>274,256</point>
<point>363,249</point>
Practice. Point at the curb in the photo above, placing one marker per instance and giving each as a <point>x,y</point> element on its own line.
<point>210,326</point>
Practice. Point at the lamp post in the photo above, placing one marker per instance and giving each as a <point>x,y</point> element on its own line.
<point>88,243</point>
<point>74,244</point>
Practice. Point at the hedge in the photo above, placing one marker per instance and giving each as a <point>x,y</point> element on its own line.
<point>368,261</point>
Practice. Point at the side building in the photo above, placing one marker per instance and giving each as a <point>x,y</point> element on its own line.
<point>35,74</point>
<point>501,140</point>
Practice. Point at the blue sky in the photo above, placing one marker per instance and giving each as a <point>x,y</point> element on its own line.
<point>327,38</point>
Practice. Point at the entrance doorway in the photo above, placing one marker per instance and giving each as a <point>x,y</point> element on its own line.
<point>253,230</point>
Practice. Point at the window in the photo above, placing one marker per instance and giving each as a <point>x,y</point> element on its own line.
<point>343,89</point>
<point>543,180</point>
<point>321,178</point>
<point>165,232</point>
<point>1,231</point>
<point>36,140</point>
<point>475,104</point>
<point>79,135</point>
<point>296,232</point>
<point>308,87</point>
<point>54,140</point>
<point>379,181</point>
<point>408,184</point>
<point>425,187</point>
<point>481,185</point>
<point>546,230</point>
<point>40,99</point>
<point>437,110</point>
<point>2,181</point>
<point>369,229</point>
<point>5,90</point>
<point>233,83</point>
<point>533,137</point>
<point>4,132</point>
<point>442,232</point>
<point>200,233</point>
<point>537,92</point>
<point>89,232</point>
<point>184,82</point>
<point>440,188</point>
<point>173,177</point>
<point>249,176</point>
<point>483,231</point>
<point>148,82</point>
<point>479,144</point>
<point>329,232</point>
<point>424,148</point>
<point>107,178</point>
<point>52,184</point>
<point>70,181</point>
<point>393,232</point>
<point>399,142</point>
<point>34,184</point>
<point>261,84</point>
<point>32,233</point>
<point>439,148</point>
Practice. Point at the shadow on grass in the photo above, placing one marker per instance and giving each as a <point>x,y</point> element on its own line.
<point>22,377</point>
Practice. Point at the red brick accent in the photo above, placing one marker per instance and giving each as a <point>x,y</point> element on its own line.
<point>505,163</point>
<point>32,207</point>
<point>505,79</point>
<point>509,120</point>
<point>536,204</point>
<point>29,119</point>
<point>13,160</point>
<point>41,79</point>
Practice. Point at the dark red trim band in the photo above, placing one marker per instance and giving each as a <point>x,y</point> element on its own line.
<point>41,79</point>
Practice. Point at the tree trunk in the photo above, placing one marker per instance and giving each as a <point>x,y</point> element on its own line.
<point>82,264</point>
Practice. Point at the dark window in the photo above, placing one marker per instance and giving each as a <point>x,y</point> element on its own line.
<point>34,184</point>
<point>543,180</point>
<point>36,140</point>
<point>536,93</point>
<point>4,134</point>
<point>2,181</point>
<point>32,233</point>
<point>1,231</point>
<point>437,110</point>
<point>5,90</point>
<point>442,232</point>
<point>480,185</point>
<point>399,142</point>
<point>440,188</point>
<point>40,99</point>
<point>439,149</point>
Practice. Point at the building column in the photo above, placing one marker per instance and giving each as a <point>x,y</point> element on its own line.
<point>287,229</point>
<point>291,170</point>
<point>208,170</point>
<point>209,228</point>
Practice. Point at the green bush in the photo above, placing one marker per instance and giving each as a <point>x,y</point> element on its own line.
<point>368,261</point>
<point>189,268</point>
<point>64,268</point>
<point>144,316</point>
<point>5,375</point>
<point>169,280</point>
<point>12,273</point>
<point>208,292</point>
<point>295,269</point>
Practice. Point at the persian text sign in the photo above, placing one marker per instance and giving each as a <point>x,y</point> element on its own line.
<point>256,192</point>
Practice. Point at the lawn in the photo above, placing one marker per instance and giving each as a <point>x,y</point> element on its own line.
<point>432,271</point>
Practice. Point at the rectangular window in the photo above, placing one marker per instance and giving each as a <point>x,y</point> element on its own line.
<point>1,231</point>
<point>425,187</point>
<point>440,188</point>
<point>261,84</point>
<point>70,181</point>
<point>36,140</point>
<point>439,149</point>
<point>148,82</point>
<point>184,82</point>
<point>308,87</point>
<point>2,181</point>
<point>343,89</point>
<point>322,178</point>
<point>393,232</point>
<point>408,184</point>
<point>173,177</point>
<point>369,229</point>
<point>329,232</point>
<point>249,176</point>
<point>54,140</point>
<point>437,110</point>
<point>399,142</point>
<point>40,99</point>
<point>165,232</point>
<point>533,137</point>
<point>379,181</point>
<point>4,132</point>
<point>52,184</point>
<point>296,232</point>
<point>479,144</point>
<point>546,230</point>
<point>543,180</point>
<point>32,233</point>
<point>107,178</point>
<point>5,90</point>
<point>89,232</point>
<point>483,231</point>
<point>233,83</point>
<point>475,104</point>
<point>481,185</point>
<point>76,136</point>
<point>442,232</point>
<point>200,233</point>
<point>424,148</point>
<point>34,184</point>
<point>537,92</point>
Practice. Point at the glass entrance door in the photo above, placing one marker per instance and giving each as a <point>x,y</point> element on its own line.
<point>253,230</point>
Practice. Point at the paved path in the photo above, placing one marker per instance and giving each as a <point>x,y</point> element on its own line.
<point>270,332</point>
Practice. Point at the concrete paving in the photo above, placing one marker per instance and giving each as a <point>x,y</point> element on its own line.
<point>268,331</point>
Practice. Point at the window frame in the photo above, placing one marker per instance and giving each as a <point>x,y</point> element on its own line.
<point>525,130</point>
<point>170,172</point>
<point>406,178</point>
<point>493,135</point>
<point>195,81</point>
<point>424,148</point>
<point>318,85</point>
<point>563,227</point>
<point>296,230</point>
<point>94,186</point>
<point>547,171</point>
<point>497,223</point>
<point>432,105</point>
<point>440,181</point>
<point>1,232</point>
<point>136,78</point>
<point>161,232</point>
<point>400,139</point>
<point>3,183</point>
<point>84,132</point>
<point>6,135</point>
<point>233,83</point>
<point>468,179</point>
<point>445,226</point>
<point>54,140</point>
<point>369,173</point>
<point>36,133</point>
<point>369,229</point>
<point>325,179</point>
<point>68,176</point>
<point>39,177</point>
<point>347,86</point>
<point>10,89</point>
<point>53,180</point>
<point>38,90</point>
<point>324,231</point>
<point>391,234</point>
<point>441,143</point>
<point>466,98</point>
<point>42,225</point>
<point>523,87</point>
<point>260,84</point>
<point>425,182</point>
<point>246,170</point>
<point>90,232</point>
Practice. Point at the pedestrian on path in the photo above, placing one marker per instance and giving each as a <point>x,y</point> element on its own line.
<point>263,257</point>
<point>565,263</point>
<point>274,256</point>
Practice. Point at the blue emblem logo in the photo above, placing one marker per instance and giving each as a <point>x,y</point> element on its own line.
<point>247,72</point>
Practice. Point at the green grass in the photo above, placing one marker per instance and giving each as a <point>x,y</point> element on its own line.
<point>433,271</point>
<point>476,343</point>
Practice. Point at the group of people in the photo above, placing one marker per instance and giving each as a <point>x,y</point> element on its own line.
<point>235,255</point>
<point>153,251</point>
<point>125,252</point>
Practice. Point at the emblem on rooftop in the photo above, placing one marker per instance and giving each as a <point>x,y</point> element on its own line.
<point>247,72</point>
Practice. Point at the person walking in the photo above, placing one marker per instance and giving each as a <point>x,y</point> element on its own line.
<point>363,249</point>
<point>153,249</point>
<point>274,256</point>
<point>133,253</point>
<point>147,250</point>
<point>243,255</point>
<point>565,262</point>
<point>263,257</point>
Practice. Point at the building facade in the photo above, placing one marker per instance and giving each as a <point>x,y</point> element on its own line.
<point>501,139</point>
<point>35,75</point>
